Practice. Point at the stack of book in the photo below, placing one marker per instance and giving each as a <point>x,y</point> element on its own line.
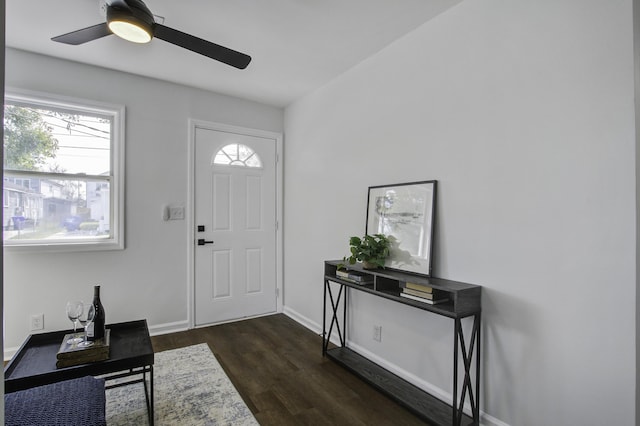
<point>423,293</point>
<point>354,276</point>
<point>71,354</point>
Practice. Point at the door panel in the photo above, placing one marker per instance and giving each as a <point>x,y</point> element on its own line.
<point>221,272</point>
<point>222,206</point>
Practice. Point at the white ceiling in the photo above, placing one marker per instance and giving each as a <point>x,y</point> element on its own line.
<point>296,45</point>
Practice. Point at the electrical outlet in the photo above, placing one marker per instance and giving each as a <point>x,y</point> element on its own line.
<point>377,333</point>
<point>37,322</point>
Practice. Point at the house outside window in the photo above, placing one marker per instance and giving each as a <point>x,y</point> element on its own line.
<point>63,173</point>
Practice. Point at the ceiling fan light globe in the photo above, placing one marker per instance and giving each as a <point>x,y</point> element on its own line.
<point>130,31</point>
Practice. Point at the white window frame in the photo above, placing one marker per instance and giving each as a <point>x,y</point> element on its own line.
<point>117,112</point>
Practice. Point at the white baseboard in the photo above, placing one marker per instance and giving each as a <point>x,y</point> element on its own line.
<point>306,322</point>
<point>485,419</point>
<point>10,352</point>
<point>301,319</point>
<point>170,327</point>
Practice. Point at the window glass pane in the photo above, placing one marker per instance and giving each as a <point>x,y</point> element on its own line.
<point>56,209</point>
<point>237,155</point>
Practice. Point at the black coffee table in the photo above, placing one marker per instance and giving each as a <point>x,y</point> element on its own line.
<point>130,354</point>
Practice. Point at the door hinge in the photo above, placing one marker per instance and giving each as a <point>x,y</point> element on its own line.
<point>277,293</point>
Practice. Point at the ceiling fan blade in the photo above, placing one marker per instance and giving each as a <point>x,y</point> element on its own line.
<point>84,35</point>
<point>203,47</point>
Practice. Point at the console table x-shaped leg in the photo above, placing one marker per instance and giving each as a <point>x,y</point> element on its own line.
<point>335,303</point>
<point>460,347</point>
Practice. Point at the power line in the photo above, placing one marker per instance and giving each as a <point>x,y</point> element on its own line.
<point>69,122</point>
<point>79,131</point>
<point>82,147</point>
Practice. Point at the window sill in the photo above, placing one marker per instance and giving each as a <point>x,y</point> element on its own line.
<point>67,247</point>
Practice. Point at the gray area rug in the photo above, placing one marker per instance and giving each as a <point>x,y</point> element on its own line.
<point>190,388</point>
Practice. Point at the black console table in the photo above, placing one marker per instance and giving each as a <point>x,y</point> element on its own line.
<point>462,301</point>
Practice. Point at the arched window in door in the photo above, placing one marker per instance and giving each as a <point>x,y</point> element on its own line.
<point>236,154</point>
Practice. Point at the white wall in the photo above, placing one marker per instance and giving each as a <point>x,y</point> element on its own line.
<point>149,278</point>
<point>524,113</point>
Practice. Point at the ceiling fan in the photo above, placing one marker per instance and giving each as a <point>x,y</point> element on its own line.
<point>133,21</point>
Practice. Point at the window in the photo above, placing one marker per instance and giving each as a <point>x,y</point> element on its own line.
<point>63,173</point>
<point>237,155</point>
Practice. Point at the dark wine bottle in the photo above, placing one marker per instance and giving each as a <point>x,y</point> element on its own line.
<point>96,329</point>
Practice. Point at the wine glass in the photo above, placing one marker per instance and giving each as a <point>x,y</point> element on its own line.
<point>86,318</point>
<point>74,310</point>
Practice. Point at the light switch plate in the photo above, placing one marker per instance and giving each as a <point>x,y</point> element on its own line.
<point>176,213</point>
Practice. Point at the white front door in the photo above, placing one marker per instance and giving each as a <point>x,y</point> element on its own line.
<point>235,219</point>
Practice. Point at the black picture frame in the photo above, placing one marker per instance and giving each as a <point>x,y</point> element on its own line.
<point>405,213</point>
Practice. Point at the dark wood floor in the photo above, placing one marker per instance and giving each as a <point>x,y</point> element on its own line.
<point>278,368</point>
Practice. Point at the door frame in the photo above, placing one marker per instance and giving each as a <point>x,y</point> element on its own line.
<point>190,218</point>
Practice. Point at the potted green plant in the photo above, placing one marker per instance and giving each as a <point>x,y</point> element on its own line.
<point>371,250</point>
